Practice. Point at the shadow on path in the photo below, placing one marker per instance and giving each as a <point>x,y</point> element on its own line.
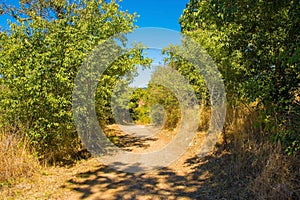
<point>207,178</point>
<point>218,176</point>
<point>127,141</point>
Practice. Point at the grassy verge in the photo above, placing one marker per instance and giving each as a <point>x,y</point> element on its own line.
<point>272,174</point>
<point>15,159</point>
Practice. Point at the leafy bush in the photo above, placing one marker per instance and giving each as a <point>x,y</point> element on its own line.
<point>256,47</point>
<point>40,56</point>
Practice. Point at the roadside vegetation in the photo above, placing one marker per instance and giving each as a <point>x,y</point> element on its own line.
<point>255,45</point>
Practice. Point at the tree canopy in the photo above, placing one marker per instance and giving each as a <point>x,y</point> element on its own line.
<point>41,54</point>
<point>256,46</point>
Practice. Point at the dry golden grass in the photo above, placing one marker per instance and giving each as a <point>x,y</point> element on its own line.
<point>274,174</point>
<point>204,117</point>
<point>48,183</point>
<point>279,178</point>
<point>15,159</point>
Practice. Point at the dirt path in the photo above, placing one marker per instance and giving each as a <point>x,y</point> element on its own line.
<point>172,182</point>
<point>187,178</point>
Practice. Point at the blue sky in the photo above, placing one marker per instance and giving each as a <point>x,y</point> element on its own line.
<point>156,13</point>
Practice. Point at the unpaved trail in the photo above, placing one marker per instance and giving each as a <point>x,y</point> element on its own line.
<point>189,177</point>
<point>171,182</point>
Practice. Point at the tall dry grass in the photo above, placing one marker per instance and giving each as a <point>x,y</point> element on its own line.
<point>273,174</point>
<point>204,117</point>
<point>16,161</point>
<point>280,178</point>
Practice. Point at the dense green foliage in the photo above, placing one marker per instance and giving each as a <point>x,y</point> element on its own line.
<point>189,71</point>
<point>39,59</point>
<point>164,106</point>
<point>154,105</point>
<point>138,106</point>
<point>256,46</point>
